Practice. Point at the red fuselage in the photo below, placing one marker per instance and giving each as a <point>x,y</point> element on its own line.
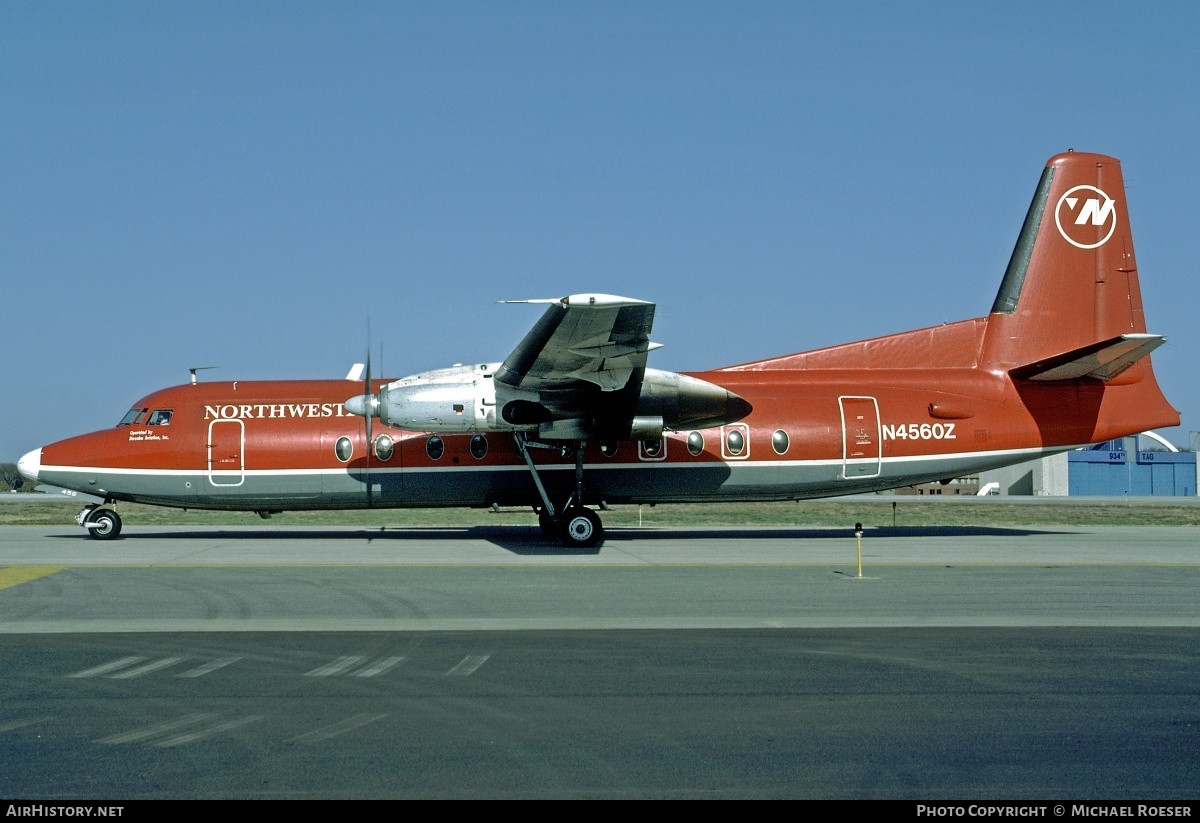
<point>813,432</point>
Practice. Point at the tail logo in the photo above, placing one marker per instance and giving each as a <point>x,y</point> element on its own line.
<point>1083,211</point>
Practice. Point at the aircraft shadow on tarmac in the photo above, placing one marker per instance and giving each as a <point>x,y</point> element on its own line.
<point>529,540</point>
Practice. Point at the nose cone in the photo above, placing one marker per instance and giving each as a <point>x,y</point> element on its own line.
<point>363,405</point>
<point>30,465</point>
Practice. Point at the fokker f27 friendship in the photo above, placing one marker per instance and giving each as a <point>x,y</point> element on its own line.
<point>574,418</point>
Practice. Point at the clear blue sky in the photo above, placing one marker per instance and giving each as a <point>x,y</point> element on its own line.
<point>242,184</point>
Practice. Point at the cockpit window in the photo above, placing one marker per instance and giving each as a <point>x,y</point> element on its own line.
<point>160,417</point>
<point>133,416</point>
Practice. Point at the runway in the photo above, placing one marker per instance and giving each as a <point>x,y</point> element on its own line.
<point>488,662</point>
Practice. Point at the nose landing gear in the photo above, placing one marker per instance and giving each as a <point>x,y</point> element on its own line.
<point>101,523</point>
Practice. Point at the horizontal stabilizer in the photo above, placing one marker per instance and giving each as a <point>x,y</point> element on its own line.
<point>1103,361</point>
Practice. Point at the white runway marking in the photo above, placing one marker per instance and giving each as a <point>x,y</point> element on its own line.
<point>147,668</point>
<point>341,727</point>
<point>469,665</point>
<point>200,671</point>
<point>157,729</point>
<point>105,668</point>
<point>20,724</point>
<point>200,734</point>
<point>379,666</point>
<point>336,667</point>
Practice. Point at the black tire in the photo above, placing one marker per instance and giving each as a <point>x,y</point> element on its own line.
<point>582,529</point>
<point>108,524</point>
<point>548,525</point>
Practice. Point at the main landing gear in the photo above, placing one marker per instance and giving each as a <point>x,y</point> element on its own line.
<point>576,526</point>
<point>101,523</point>
<point>582,527</point>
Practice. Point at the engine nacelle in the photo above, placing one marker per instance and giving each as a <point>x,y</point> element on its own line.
<point>452,400</point>
<point>682,401</point>
<point>463,399</point>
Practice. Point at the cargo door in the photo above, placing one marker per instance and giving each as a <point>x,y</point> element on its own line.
<point>861,437</point>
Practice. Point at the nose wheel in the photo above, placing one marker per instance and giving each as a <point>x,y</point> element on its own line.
<point>102,524</point>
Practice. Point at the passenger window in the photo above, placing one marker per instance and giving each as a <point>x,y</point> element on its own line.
<point>435,447</point>
<point>479,447</point>
<point>735,442</point>
<point>652,449</point>
<point>385,447</point>
<point>779,441</point>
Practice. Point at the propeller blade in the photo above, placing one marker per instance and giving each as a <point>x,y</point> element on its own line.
<point>367,393</point>
<point>368,416</point>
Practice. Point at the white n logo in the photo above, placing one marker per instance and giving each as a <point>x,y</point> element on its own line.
<point>1092,209</point>
<point>1095,211</point>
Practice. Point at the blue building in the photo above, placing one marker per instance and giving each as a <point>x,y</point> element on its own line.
<point>1141,466</point>
<point>1126,467</point>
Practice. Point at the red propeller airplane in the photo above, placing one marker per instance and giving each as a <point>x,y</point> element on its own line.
<point>573,417</point>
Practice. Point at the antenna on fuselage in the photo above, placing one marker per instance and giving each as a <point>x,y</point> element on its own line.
<point>192,371</point>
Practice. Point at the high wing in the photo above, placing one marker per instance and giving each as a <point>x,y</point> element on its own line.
<point>579,374</point>
<point>596,338</point>
<point>580,370</point>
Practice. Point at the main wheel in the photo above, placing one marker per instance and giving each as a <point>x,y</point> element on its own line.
<point>582,529</point>
<point>107,524</point>
<point>547,524</point>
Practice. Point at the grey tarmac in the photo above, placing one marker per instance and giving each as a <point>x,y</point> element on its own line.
<point>512,578</point>
<point>487,662</point>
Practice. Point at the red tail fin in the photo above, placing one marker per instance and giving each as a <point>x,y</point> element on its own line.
<point>1072,281</point>
<point>1070,308</point>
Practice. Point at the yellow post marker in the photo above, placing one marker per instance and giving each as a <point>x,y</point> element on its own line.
<point>858,530</point>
